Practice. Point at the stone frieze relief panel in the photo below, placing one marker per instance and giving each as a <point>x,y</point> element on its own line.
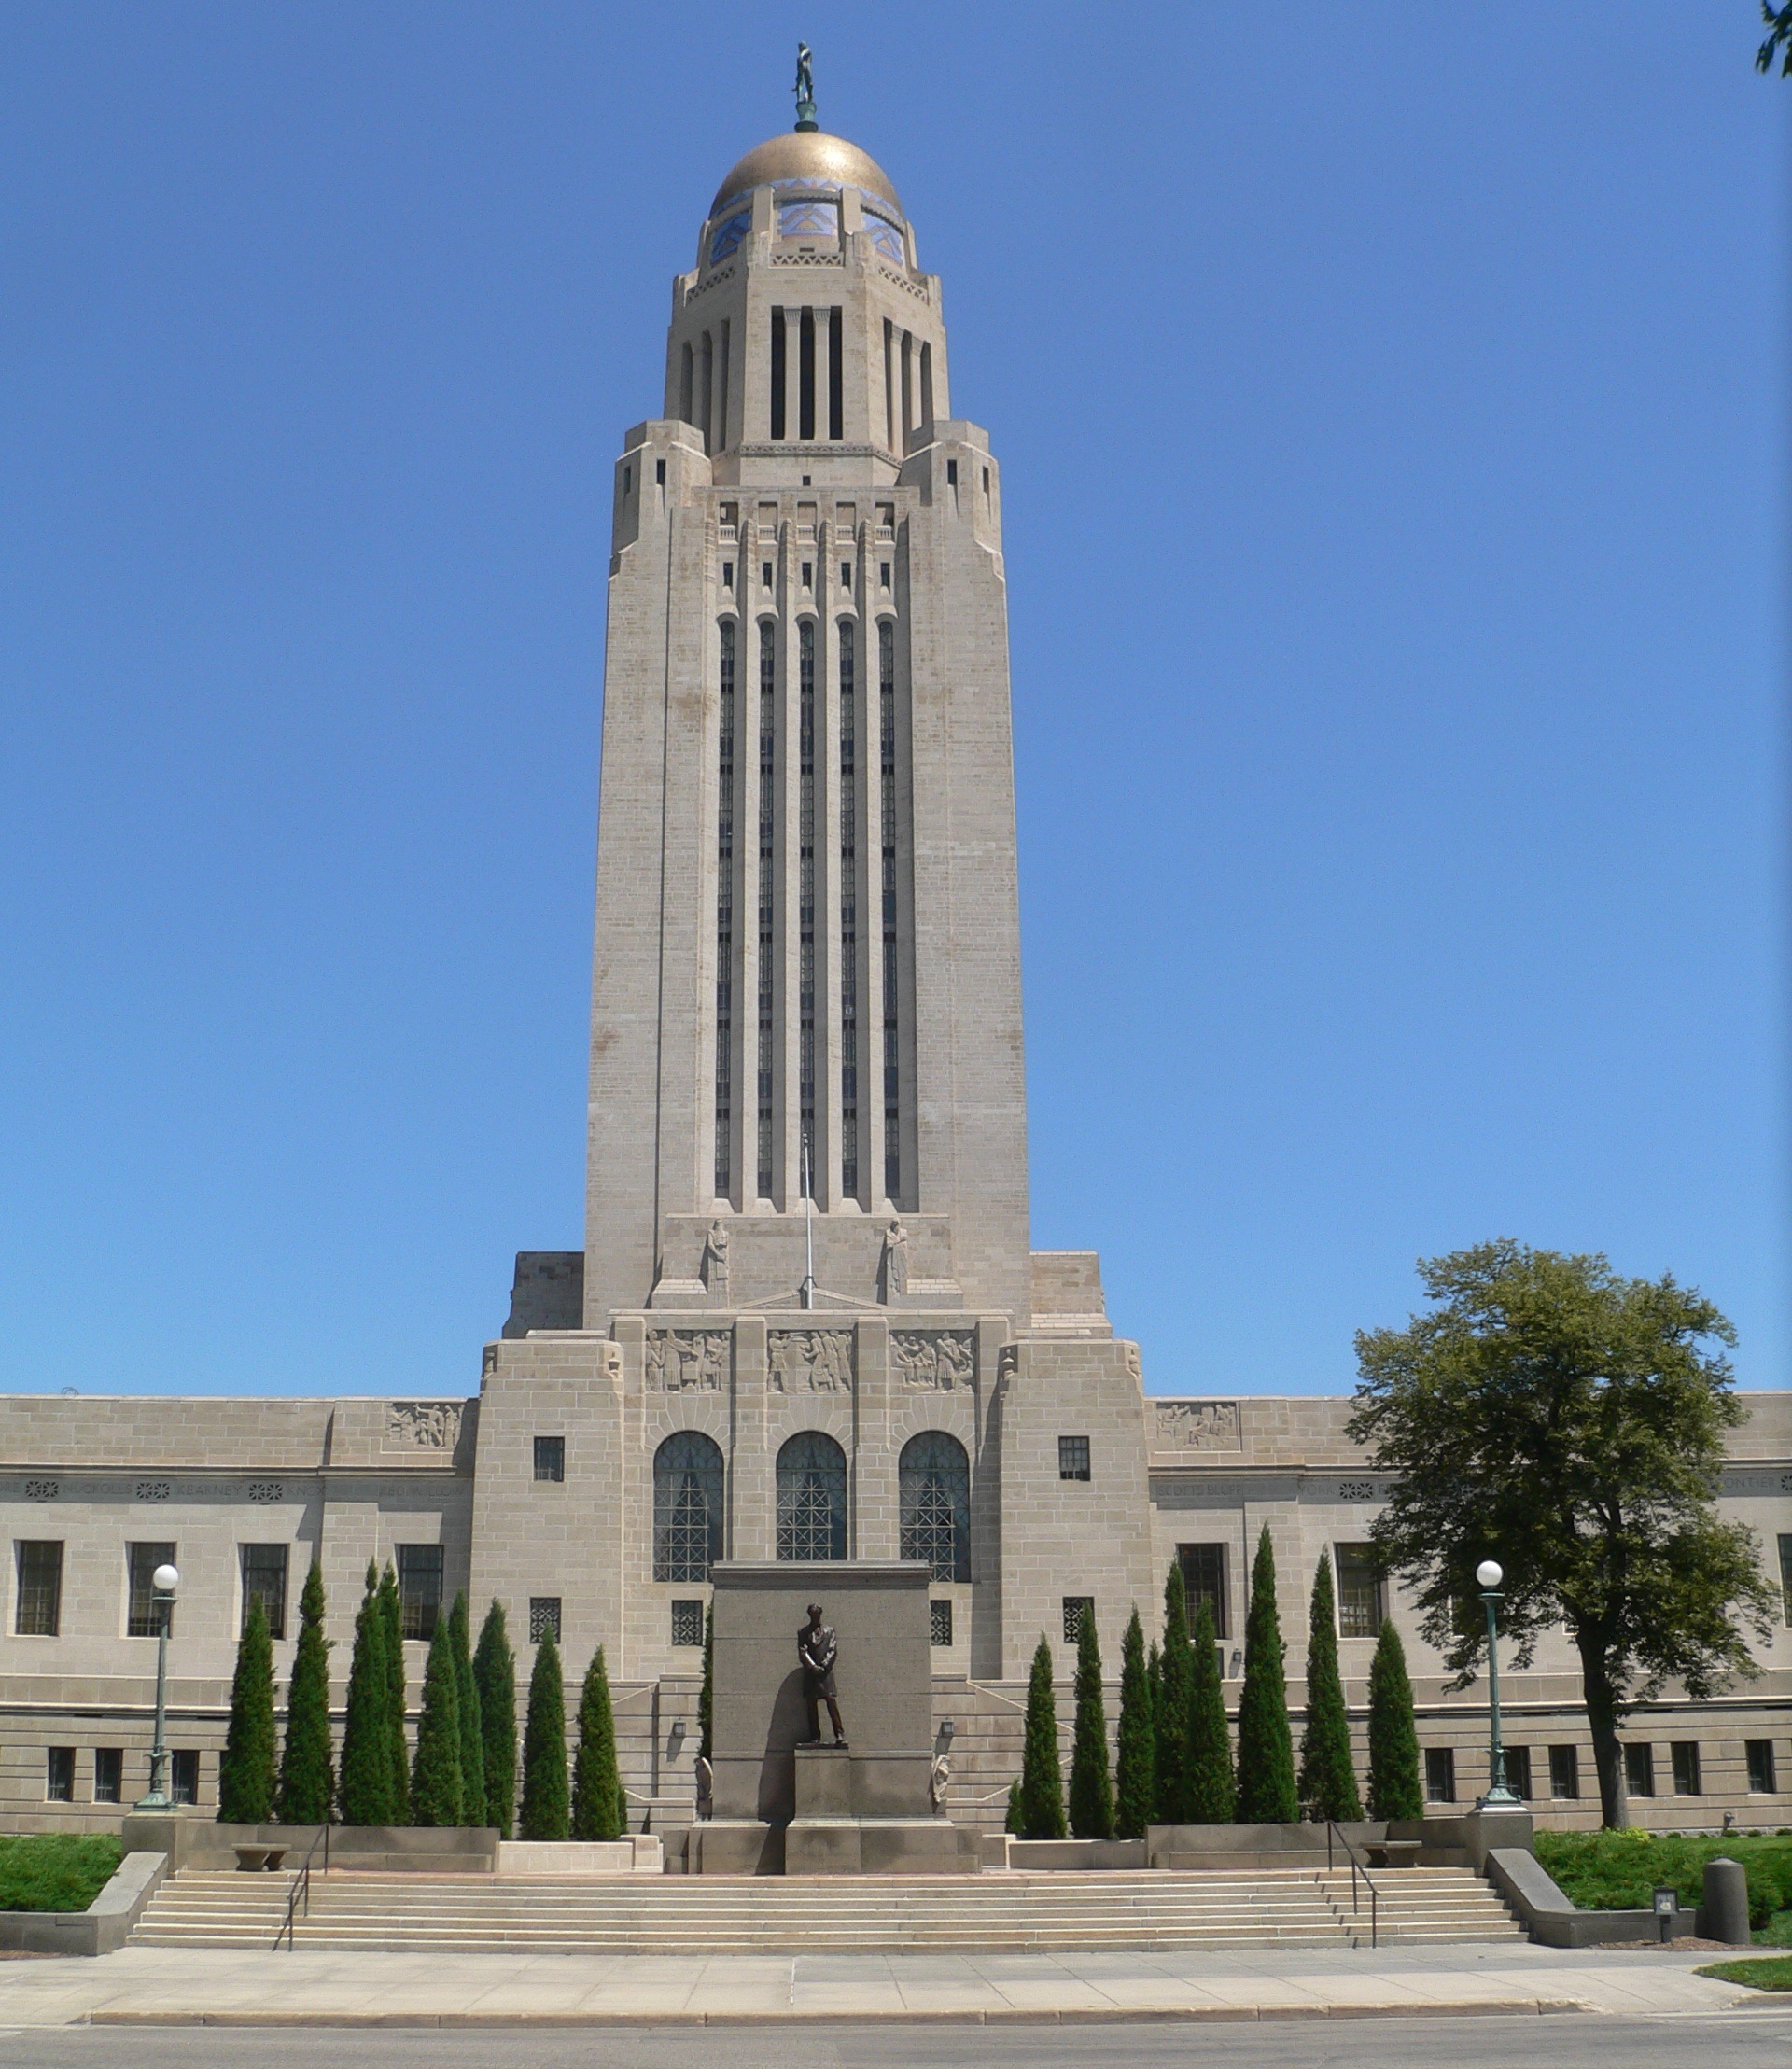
<point>1197,1426</point>
<point>809,1360</point>
<point>686,1361</point>
<point>423,1425</point>
<point>936,1359</point>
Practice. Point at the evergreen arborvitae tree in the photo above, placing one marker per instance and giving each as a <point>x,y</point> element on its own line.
<point>1327,1778</point>
<point>1393,1737</point>
<point>307,1781</point>
<point>472,1736</point>
<point>598,1809</point>
<point>1155,1679</point>
<point>435,1778</point>
<point>707,1696</point>
<point>545,1813</point>
<point>367,1737</point>
<point>1042,1781</point>
<point>494,1677</point>
<point>1091,1803</point>
<point>1175,1673</point>
<point>397,1752</point>
<point>1209,1795</point>
<point>1135,1749</point>
<point>1266,1746</point>
<point>246,1773</point>
<point>1011,1822</point>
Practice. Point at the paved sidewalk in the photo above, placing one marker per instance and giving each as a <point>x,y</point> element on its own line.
<point>158,1985</point>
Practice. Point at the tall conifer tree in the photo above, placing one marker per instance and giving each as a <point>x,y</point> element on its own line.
<point>397,1753</point>
<point>1091,1805</point>
<point>544,1810</point>
<point>1327,1776</point>
<point>307,1779</point>
<point>245,1772</point>
<point>1175,1676</point>
<point>1394,1736</point>
<point>494,1675</point>
<point>706,1695</point>
<point>1266,1746</point>
<point>598,1809</point>
<point>472,1736</point>
<point>1041,1780</point>
<point>1210,1796</point>
<point>435,1778</point>
<point>367,1735</point>
<point>1135,1749</point>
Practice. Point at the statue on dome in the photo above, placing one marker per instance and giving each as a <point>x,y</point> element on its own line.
<point>804,87</point>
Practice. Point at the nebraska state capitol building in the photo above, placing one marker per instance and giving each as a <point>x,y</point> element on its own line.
<point>807,959</point>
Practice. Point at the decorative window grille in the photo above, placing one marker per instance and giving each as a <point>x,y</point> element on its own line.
<point>687,1507</point>
<point>939,1617</point>
<point>725,920</point>
<point>551,1457</point>
<point>933,1483</point>
<point>264,1580</point>
<point>687,1623</point>
<point>1076,1607</point>
<point>767,880</point>
<point>887,798</point>
<point>419,1589</point>
<point>1204,1581</point>
<point>848,911</point>
<point>1073,1458</point>
<point>811,1499</point>
<point>38,1611</point>
<point>1362,1593</point>
<point>143,1618</point>
<point>544,1616</point>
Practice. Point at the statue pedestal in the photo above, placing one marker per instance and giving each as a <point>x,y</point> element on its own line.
<point>868,1814</point>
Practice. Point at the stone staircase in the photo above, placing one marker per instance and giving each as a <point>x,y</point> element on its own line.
<point>776,1914</point>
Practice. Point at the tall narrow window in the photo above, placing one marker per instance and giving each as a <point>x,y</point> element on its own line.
<point>886,786</point>
<point>142,1613</point>
<point>37,1607</point>
<point>836,382</point>
<point>767,809</point>
<point>685,415</point>
<point>908,387</point>
<point>1204,1581</point>
<point>806,868</point>
<point>419,1589</point>
<point>721,392</point>
<point>811,1498</point>
<point>927,384</point>
<point>687,1508</point>
<point>806,375</point>
<point>707,376</point>
<point>889,384</point>
<point>848,911</point>
<point>1362,1592</point>
<point>264,1581</point>
<point>778,373</point>
<point>934,1497</point>
<point>726,918</point>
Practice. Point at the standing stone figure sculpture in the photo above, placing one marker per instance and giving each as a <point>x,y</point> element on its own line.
<point>895,1260</point>
<point>715,1258</point>
<point>818,1648</point>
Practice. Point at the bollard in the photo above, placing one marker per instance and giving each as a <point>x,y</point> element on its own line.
<point>1724,1914</point>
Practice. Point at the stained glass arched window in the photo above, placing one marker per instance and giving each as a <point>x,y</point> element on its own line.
<point>934,1478</point>
<point>811,1498</point>
<point>687,1506</point>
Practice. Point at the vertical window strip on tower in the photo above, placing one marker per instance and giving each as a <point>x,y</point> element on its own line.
<point>778,373</point>
<point>767,803</point>
<point>805,866</point>
<point>725,917</point>
<point>887,766</point>
<point>848,912</point>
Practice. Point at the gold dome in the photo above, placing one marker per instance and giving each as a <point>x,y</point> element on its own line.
<point>808,155</point>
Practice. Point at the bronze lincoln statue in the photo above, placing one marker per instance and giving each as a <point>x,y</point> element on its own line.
<point>818,1648</point>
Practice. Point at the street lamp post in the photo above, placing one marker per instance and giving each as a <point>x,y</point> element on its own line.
<point>164,1581</point>
<point>1498,1797</point>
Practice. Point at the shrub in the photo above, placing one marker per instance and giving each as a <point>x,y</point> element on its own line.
<point>1175,1673</point>
<point>599,1811</point>
<point>472,1736</point>
<point>1091,1785</point>
<point>1266,1746</point>
<point>1327,1776</point>
<point>1136,1752</point>
<point>1041,1783</point>
<point>1394,1736</point>
<point>1210,1790</point>
<point>56,1871</point>
<point>494,1676</point>
<point>544,1814</point>
<point>307,1779</point>
<point>435,1778</point>
<point>245,1772</point>
<point>1618,1870</point>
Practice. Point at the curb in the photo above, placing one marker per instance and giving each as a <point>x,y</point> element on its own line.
<point>1080,2016</point>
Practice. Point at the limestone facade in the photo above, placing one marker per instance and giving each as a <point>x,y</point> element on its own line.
<point>807,1321</point>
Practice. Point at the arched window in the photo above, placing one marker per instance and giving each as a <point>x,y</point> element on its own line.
<point>687,1506</point>
<point>811,1498</point>
<point>934,1478</point>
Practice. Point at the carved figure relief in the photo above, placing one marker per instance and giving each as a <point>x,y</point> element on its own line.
<point>1007,1362</point>
<point>895,1260</point>
<point>686,1361</point>
<point>715,1258</point>
<point>1133,1366</point>
<point>427,1425</point>
<point>809,1360</point>
<point>938,1359</point>
<point>1197,1426</point>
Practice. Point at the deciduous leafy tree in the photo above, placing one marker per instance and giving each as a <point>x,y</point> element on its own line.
<point>1136,1748</point>
<point>1042,1781</point>
<point>1175,1677</point>
<point>1210,1792</point>
<point>1327,1777</point>
<point>1266,1746</point>
<point>307,1782</point>
<point>1569,1423</point>
<point>472,1736</point>
<point>598,1811</point>
<point>367,1735</point>
<point>1091,1785</point>
<point>544,1811</point>
<point>1779,40</point>
<point>435,1778</point>
<point>245,1772</point>
<point>494,1676</point>
<point>1394,1734</point>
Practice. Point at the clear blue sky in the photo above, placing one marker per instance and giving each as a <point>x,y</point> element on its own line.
<point>1391,403</point>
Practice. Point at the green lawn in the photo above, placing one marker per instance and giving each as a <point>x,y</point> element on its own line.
<point>1758,1975</point>
<point>54,1871</point>
<point>1616,1871</point>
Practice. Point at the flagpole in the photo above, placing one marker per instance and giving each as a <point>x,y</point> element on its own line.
<point>809,1228</point>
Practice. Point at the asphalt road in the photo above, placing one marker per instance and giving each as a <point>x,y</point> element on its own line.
<point>1748,2039</point>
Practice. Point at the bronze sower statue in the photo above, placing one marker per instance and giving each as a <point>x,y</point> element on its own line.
<point>818,1648</point>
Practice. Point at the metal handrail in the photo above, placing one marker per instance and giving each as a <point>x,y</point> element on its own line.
<point>301,1890</point>
<point>1357,1868</point>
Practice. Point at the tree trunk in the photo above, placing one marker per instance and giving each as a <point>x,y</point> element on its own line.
<point>1603,1716</point>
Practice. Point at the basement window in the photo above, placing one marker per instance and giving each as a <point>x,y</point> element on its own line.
<point>1440,1774</point>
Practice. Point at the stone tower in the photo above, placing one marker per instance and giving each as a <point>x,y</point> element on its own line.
<point>807,931</point>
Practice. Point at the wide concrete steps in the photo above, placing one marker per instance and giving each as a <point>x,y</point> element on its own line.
<point>710,1914</point>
